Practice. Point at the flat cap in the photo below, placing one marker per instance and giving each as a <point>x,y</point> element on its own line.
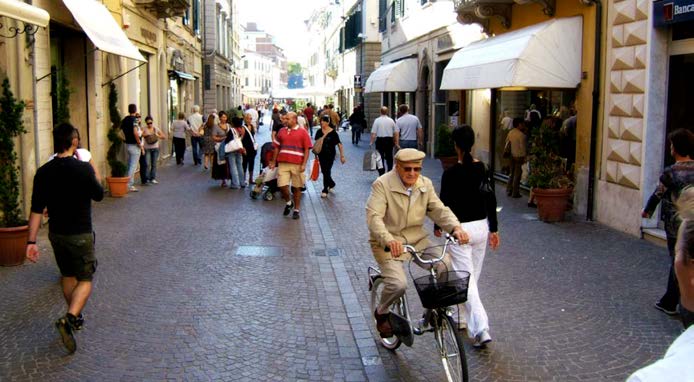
<point>409,155</point>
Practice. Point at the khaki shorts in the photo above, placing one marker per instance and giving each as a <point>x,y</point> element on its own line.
<point>290,171</point>
<point>74,255</point>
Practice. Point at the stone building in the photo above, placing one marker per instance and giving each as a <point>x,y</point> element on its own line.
<point>217,55</point>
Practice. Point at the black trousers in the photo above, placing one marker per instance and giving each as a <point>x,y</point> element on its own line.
<point>249,162</point>
<point>326,167</point>
<point>672,294</point>
<point>179,148</point>
<point>384,146</point>
<point>356,133</point>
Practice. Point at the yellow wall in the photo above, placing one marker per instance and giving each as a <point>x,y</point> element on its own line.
<point>530,14</point>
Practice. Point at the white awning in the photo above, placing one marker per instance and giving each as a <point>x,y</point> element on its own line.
<point>24,12</point>
<point>102,29</point>
<point>546,55</point>
<point>400,76</point>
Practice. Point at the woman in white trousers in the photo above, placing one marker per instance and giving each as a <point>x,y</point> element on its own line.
<point>466,190</point>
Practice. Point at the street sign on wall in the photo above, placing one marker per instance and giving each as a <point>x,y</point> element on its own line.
<point>668,12</point>
<point>357,81</point>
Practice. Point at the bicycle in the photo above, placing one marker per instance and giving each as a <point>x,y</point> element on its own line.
<point>437,291</point>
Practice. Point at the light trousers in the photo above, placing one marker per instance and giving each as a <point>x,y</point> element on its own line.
<point>469,258</point>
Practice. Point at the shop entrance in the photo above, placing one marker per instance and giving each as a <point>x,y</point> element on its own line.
<point>680,94</point>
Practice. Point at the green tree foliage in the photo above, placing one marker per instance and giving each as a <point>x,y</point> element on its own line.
<point>61,93</point>
<point>546,166</point>
<point>11,126</point>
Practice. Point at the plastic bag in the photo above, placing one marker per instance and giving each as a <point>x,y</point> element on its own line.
<point>315,171</point>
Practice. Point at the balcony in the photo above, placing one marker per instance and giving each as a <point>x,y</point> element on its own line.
<point>481,11</point>
<point>164,8</point>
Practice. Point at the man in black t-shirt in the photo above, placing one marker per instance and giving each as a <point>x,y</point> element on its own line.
<point>66,186</point>
<point>130,125</point>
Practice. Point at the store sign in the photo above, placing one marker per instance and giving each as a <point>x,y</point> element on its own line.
<point>357,81</point>
<point>148,35</point>
<point>668,12</point>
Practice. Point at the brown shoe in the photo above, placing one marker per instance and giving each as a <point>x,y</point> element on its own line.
<point>383,324</point>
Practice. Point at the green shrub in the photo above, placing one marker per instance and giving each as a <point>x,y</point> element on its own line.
<point>547,168</point>
<point>118,168</point>
<point>11,126</point>
<point>445,147</point>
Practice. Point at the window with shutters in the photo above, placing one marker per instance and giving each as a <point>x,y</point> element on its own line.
<point>382,15</point>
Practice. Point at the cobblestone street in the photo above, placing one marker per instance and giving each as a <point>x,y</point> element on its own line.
<point>197,282</point>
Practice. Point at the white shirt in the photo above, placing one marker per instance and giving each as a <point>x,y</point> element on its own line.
<point>81,154</point>
<point>384,126</point>
<point>195,121</point>
<point>507,123</point>
<point>677,365</point>
<point>407,126</point>
<point>254,116</point>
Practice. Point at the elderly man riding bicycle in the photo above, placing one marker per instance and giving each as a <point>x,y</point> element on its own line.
<point>395,212</point>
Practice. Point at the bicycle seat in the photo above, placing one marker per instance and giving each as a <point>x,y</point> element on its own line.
<point>401,328</point>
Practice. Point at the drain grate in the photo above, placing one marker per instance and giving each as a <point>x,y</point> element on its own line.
<point>258,251</point>
<point>328,252</point>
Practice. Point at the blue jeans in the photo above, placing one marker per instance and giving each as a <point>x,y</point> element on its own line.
<point>133,158</point>
<point>151,157</point>
<point>196,143</point>
<point>236,169</point>
<point>408,144</point>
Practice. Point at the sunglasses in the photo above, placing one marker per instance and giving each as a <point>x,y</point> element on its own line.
<point>149,123</point>
<point>410,169</point>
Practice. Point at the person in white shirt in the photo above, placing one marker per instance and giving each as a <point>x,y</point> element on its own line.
<point>678,363</point>
<point>408,130</point>
<point>254,116</point>
<point>195,130</point>
<point>383,134</point>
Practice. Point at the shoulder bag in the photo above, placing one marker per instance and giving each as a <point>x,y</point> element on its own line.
<point>255,144</point>
<point>318,145</point>
<point>233,145</point>
<point>152,138</point>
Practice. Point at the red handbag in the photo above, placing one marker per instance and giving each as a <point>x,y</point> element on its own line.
<point>315,170</point>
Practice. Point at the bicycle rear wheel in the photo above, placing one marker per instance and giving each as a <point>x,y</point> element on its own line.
<point>390,343</point>
<point>450,345</point>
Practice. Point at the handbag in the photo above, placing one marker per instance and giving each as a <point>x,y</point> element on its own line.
<point>255,144</point>
<point>486,188</point>
<point>318,145</point>
<point>233,145</point>
<point>152,138</point>
<point>315,170</point>
<point>366,163</point>
<point>219,149</point>
<point>376,161</point>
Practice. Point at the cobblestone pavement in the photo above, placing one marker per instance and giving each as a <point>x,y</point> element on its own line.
<point>183,292</point>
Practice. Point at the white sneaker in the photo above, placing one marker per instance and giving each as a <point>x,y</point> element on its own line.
<point>133,189</point>
<point>154,181</point>
<point>482,339</point>
<point>331,190</point>
<point>323,194</point>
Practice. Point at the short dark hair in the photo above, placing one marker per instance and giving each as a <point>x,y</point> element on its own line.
<point>308,104</point>
<point>464,137</point>
<point>682,141</point>
<point>132,108</point>
<point>236,121</point>
<point>63,135</point>
<point>517,122</point>
<point>149,118</point>
<point>403,108</point>
<point>222,113</point>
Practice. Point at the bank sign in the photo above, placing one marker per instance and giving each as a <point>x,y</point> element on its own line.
<point>668,12</point>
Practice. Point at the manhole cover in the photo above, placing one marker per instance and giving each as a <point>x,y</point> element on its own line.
<point>258,251</point>
<point>328,252</point>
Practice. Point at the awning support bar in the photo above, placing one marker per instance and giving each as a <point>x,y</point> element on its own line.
<point>49,73</point>
<point>122,74</point>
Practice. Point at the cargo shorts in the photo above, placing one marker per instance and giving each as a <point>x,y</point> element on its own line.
<point>74,255</point>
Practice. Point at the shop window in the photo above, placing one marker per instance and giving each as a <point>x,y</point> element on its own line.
<point>196,16</point>
<point>186,17</point>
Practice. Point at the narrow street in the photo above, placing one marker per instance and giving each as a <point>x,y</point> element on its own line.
<point>197,282</point>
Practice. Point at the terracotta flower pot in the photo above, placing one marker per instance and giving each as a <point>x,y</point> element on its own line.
<point>552,203</point>
<point>448,162</point>
<point>118,187</point>
<point>13,245</point>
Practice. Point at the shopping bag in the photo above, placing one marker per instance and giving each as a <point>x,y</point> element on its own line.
<point>376,161</point>
<point>368,159</point>
<point>315,170</point>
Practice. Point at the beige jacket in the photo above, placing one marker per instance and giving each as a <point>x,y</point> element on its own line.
<point>392,214</point>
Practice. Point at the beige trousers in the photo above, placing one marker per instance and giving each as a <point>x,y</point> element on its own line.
<point>395,280</point>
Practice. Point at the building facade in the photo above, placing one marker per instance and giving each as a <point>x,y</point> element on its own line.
<point>217,55</point>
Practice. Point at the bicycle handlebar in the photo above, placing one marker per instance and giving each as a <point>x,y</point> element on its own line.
<point>413,251</point>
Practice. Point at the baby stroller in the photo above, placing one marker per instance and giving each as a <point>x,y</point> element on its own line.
<point>266,182</point>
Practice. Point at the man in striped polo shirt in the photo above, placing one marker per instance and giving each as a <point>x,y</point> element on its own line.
<point>292,145</point>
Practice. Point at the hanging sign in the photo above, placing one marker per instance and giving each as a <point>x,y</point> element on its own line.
<point>668,12</point>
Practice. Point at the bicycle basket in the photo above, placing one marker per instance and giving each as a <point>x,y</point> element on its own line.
<point>450,288</point>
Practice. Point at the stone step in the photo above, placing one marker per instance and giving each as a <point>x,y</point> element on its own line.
<point>654,235</point>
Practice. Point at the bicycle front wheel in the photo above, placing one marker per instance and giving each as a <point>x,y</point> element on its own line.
<point>450,345</point>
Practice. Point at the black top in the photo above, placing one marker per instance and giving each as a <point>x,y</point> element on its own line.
<point>247,142</point>
<point>673,180</point>
<point>460,191</point>
<point>66,186</point>
<point>127,125</point>
<point>328,151</point>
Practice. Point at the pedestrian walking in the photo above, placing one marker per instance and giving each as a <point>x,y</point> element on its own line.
<point>408,130</point>
<point>66,186</point>
<point>329,139</point>
<point>251,147</point>
<point>516,142</point>
<point>220,165</point>
<point>208,142</point>
<point>132,143</point>
<point>235,158</point>
<point>382,134</point>
<point>291,153</point>
<point>151,136</point>
<point>309,112</point>
<point>466,190</point>
<point>358,122</point>
<point>179,128</point>
<point>143,160</point>
<point>677,364</point>
<point>195,129</point>
<point>673,180</point>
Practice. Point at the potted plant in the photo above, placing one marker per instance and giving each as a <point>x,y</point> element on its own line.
<point>445,147</point>
<point>14,231</point>
<point>548,178</point>
<point>118,181</point>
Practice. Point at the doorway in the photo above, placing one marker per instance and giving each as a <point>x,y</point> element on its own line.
<point>680,94</point>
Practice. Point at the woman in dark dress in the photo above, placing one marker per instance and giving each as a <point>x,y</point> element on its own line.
<point>674,179</point>
<point>326,157</point>
<point>208,141</point>
<point>249,144</point>
<point>219,134</point>
<point>466,190</point>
